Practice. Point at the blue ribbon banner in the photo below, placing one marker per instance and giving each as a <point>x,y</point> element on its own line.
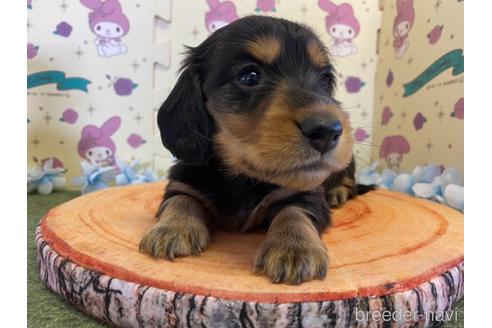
<point>62,83</point>
<point>453,59</point>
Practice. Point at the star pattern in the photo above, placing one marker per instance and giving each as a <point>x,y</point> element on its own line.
<point>138,118</point>
<point>91,109</point>
<point>79,53</point>
<point>195,32</point>
<point>35,142</point>
<point>63,6</point>
<point>441,115</point>
<point>364,114</point>
<point>304,9</point>
<point>47,118</point>
<point>135,65</point>
<point>429,145</point>
<point>437,5</point>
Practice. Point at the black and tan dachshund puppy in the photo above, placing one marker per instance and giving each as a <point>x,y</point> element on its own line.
<point>261,143</point>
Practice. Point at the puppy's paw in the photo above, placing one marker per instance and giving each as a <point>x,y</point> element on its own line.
<point>291,263</point>
<point>176,236</point>
<point>338,196</point>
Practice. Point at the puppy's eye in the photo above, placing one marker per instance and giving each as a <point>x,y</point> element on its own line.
<point>249,77</point>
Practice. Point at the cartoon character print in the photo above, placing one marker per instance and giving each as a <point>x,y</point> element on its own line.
<point>220,14</point>
<point>402,24</point>
<point>342,26</point>
<point>109,24</point>
<point>96,145</point>
<point>392,150</point>
<point>265,6</point>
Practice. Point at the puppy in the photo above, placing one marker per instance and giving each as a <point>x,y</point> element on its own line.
<point>261,143</point>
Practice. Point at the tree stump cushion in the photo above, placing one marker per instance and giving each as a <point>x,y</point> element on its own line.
<point>388,252</point>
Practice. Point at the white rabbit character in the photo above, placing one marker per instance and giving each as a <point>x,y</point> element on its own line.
<point>403,22</point>
<point>343,27</point>
<point>109,24</point>
<point>96,145</point>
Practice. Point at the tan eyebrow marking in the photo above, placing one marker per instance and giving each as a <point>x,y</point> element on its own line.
<point>317,54</point>
<point>265,49</point>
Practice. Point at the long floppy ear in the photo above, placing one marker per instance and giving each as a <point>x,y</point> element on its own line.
<point>184,123</point>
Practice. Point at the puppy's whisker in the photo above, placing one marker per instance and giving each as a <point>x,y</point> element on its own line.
<point>363,145</point>
<point>201,135</point>
<point>365,152</point>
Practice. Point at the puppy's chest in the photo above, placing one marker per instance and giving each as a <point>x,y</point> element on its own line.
<point>238,203</point>
<point>242,207</point>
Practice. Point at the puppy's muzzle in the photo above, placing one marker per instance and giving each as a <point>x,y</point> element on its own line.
<point>322,133</point>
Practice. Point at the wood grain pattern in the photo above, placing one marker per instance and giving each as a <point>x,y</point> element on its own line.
<point>387,250</point>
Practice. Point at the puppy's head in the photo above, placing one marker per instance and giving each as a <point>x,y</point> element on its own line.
<point>258,94</point>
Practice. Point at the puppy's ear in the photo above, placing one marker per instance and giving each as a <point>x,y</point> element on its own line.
<point>184,123</point>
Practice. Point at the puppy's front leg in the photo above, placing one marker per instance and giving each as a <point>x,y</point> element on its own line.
<point>181,229</point>
<point>292,251</point>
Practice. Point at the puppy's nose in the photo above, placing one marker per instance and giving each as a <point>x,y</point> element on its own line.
<point>323,135</point>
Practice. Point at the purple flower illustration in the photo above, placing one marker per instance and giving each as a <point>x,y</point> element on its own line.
<point>124,87</point>
<point>32,50</point>
<point>360,134</point>
<point>418,121</point>
<point>389,78</point>
<point>135,140</point>
<point>265,6</point>
<point>386,115</point>
<point>63,29</point>
<point>435,34</point>
<point>353,84</point>
<point>459,109</point>
<point>69,116</point>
